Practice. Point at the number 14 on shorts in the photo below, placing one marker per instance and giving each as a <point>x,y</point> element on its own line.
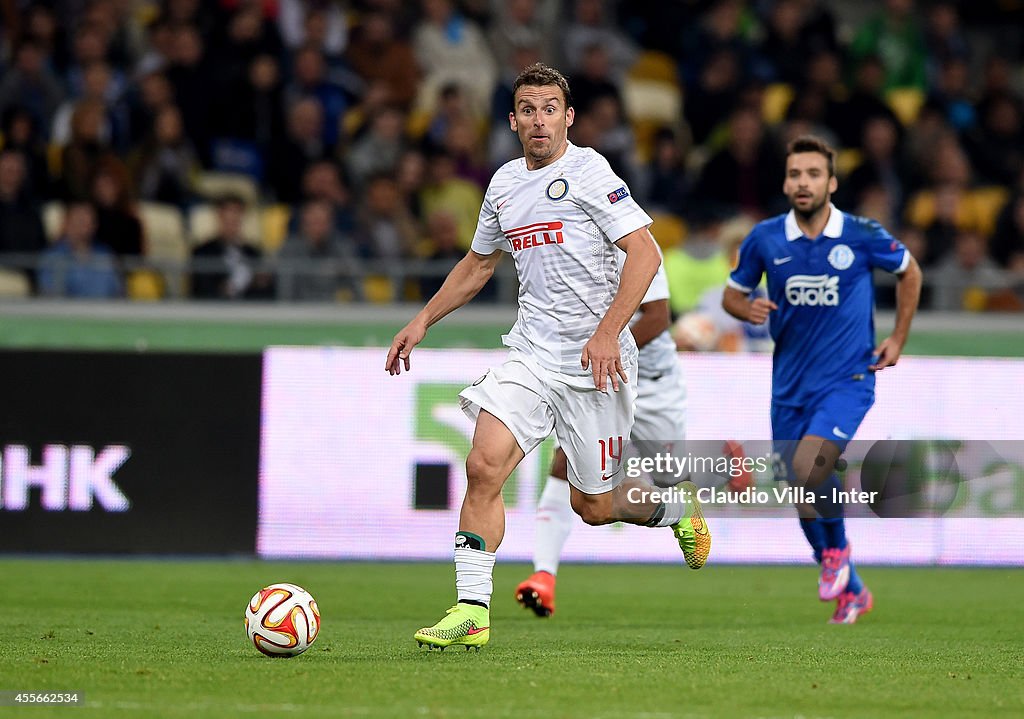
<point>611,448</point>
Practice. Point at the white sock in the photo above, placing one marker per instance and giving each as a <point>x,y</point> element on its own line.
<point>675,509</point>
<point>473,570</point>
<point>553,524</point>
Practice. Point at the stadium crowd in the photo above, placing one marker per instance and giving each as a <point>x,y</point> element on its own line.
<point>319,151</point>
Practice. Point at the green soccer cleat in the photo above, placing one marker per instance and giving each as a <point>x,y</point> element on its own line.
<point>464,624</point>
<point>692,531</point>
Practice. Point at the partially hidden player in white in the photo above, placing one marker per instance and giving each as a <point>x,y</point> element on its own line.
<point>660,420</point>
<point>572,366</point>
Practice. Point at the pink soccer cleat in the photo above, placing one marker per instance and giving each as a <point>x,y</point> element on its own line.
<point>852,606</point>
<point>538,593</point>
<point>835,573</point>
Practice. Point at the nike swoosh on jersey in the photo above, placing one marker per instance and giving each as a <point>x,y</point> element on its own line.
<point>782,260</point>
<point>840,433</point>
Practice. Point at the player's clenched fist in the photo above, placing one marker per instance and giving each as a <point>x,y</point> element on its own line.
<point>401,347</point>
<point>759,310</point>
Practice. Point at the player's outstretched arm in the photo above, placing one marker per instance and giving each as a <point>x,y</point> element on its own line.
<point>601,354</point>
<point>908,294</point>
<point>462,284</point>
<point>738,305</point>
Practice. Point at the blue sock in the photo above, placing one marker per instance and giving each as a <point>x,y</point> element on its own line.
<point>856,585</point>
<point>815,533</point>
<point>835,532</point>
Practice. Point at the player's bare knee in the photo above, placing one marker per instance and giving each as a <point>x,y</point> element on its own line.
<point>483,472</point>
<point>594,510</point>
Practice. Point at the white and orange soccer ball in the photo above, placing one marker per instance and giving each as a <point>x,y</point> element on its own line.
<point>282,620</point>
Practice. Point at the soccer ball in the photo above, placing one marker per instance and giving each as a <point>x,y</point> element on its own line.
<point>282,620</point>
<point>696,331</point>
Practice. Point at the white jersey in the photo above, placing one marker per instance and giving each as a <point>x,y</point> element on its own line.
<point>560,223</point>
<point>657,357</point>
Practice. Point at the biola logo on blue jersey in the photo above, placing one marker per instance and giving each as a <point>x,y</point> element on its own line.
<point>812,291</point>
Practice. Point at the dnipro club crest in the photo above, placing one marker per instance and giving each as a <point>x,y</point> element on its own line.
<point>558,189</point>
<point>840,257</point>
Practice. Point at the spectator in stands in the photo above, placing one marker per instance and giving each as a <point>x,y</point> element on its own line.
<point>377,54</point>
<point>164,165</point>
<point>411,177</point>
<point>894,35</point>
<point>304,144</point>
<point>879,167</point>
<point>997,83</point>
<point>253,110</point>
<point>594,79</point>
<point>21,227</point>
<point>722,28</point>
<point>29,83</point>
<point>151,94</point>
<point>77,265</point>
<point>614,137</point>
<point>42,27</point>
<point>452,107</point>
<point>503,144</point>
<point>322,182</point>
<point>117,225</point>
<point>385,230</point>
<point>713,95</point>
<point>444,190</point>
<point>966,276</point>
<point>590,26</point>
<point>1008,240</point>
<point>91,45</point>
<point>20,132</point>
<point>247,35</point>
<point>663,180</point>
<point>98,85</point>
<point>523,22</point>
<point>742,176</point>
<point>997,146</point>
<point>228,266</point>
<point>317,261</point>
<point>865,101</point>
<point>783,51</point>
<point>189,76</point>
<point>451,48</point>
<point>88,146</point>
<point>378,149</point>
<point>293,21</point>
<point>443,253</point>
<point>951,94</point>
<point>310,80</point>
<point>944,37</point>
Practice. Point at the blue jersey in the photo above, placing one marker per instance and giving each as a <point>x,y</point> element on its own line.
<point>824,327</point>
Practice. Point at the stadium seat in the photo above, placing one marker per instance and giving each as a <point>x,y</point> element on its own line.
<point>668,229</point>
<point>987,203</point>
<point>775,102</point>
<point>164,229</point>
<point>655,66</point>
<point>13,284</point>
<point>847,161</point>
<point>53,219</point>
<point>379,289</point>
<point>652,98</point>
<point>202,224</point>
<point>144,285</point>
<point>213,185</point>
<point>275,227</point>
<point>906,102</point>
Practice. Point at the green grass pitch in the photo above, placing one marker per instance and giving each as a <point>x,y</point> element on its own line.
<point>165,639</point>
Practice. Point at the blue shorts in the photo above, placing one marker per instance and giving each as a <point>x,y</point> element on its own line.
<point>835,415</point>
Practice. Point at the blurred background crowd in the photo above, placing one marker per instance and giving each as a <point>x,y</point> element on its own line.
<point>324,150</point>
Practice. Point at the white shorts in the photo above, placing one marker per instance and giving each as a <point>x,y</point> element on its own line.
<point>660,424</point>
<point>592,427</point>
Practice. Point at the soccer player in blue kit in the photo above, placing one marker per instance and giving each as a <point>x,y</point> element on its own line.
<point>819,262</point>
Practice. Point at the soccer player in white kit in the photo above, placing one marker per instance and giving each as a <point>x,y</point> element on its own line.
<point>660,422</point>
<point>561,213</point>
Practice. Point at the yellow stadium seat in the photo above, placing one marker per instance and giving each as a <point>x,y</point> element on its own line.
<point>847,161</point>
<point>144,286</point>
<point>655,66</point>
<point>669,230</point>
<point>13,284</point>
<point>217,184</point>
<point>53,219</point>
<point>379,289</point>
<point>164,230</point>
<point>987,203</point>
<point>275,227</point>
<point>906,102</point>
<point>775,102</point>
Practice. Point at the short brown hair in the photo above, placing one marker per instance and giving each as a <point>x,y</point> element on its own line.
<point>539,75</point>
<point>810,143</point>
